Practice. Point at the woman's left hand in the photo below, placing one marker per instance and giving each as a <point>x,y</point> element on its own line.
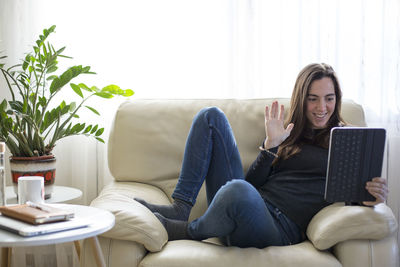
<point>378,188</point>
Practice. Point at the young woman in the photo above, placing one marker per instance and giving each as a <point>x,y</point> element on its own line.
<point>283,188</point>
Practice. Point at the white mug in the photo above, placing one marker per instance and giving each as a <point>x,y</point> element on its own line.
<point>30,188</point>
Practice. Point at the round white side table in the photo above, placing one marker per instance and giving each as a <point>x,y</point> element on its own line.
<point>99,220</point>
<point>61,194</point>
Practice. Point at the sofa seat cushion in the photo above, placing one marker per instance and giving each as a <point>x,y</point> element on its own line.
<point>191,253</point>
<point>337,223</point>
<point>133,221</point>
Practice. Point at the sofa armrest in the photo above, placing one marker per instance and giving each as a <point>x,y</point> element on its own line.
<point>133,221</point>
<point>372,253</point>
<point>337,223</point>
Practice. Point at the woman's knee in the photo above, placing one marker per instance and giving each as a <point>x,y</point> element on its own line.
<point>240,186</point>
<point>238,190</point>
<point>211,113</point>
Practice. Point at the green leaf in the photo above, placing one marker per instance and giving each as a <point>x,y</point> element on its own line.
<point>88,129</point>
<point>94,89</point>
<point>113,89</point>
<point>76,89</point>
<point>116,90</point>
<point>54,113</point>
<point>52,28</point>
<point>42,59</point>
<point>64,109</point>
<point>85,87</point>
<point>26,62</point>
<point>77,128</point>
<point>65,56</point>
<point>38,116</point>
<point>42,101</point>
<point>3,105</point>
<point>66,77</point>
<point>99,132</point>
<point>72,106</point>
<point>16,105</point>
<point>128,92</point>
<point>44,52</point>
<point>52,77</point>
<point>101,140</point>
<point>46,32</point>
<point>39,66</point>
<point>52,69</point>
<point>62,105</point>
<point>46,121</point>
<point>104,95</point>
<point>60,51</point>
<point>86,69</point>
<point>32,97</point>
<point>93,110</point>
<point>94,129</point>
<point>81,127</point>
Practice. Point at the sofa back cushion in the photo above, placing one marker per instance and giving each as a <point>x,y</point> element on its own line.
<point>148,137</point>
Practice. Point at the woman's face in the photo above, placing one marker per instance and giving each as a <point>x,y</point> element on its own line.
<point>321,101</point>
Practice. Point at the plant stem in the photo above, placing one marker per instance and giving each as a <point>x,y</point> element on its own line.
<point>59,127</point>
<point>8,84</point>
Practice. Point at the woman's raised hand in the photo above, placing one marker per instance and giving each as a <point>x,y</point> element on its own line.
<point>274,126</point>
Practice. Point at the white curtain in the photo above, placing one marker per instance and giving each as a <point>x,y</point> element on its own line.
<point>211,49</point>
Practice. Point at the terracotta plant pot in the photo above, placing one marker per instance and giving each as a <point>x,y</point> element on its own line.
<point>44,166</point>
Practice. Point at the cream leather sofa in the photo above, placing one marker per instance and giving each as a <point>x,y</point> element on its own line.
<point>145,151</point>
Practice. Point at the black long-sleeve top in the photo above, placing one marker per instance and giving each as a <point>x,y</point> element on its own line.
<point>296,185</point>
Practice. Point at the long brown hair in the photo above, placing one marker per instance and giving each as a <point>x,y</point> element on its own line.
<point>302,132</point>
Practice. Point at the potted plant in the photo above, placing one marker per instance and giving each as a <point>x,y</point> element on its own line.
<point>32,121</point>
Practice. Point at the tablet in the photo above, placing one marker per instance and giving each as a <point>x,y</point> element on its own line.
<point>355,157</point>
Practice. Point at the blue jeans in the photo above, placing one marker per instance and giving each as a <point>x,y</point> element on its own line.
<point>237,213</point>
